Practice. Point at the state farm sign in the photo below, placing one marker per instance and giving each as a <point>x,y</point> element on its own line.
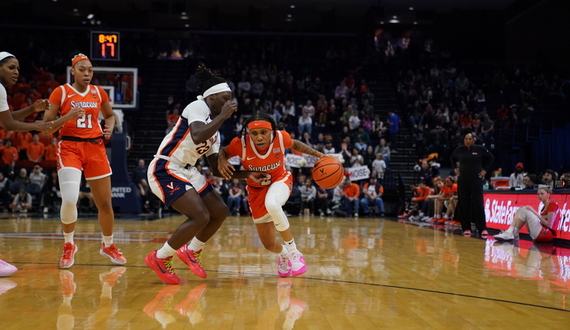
<point>501,207</point>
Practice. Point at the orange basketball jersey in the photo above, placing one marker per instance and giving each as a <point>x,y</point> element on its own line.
<point>272,162</point>
<point>67,97</point>
<point>448,191</point>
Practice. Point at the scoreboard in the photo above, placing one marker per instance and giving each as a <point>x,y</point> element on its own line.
<point>105,45</point>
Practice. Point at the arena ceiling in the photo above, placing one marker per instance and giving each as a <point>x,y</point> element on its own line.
<point>273,13</point>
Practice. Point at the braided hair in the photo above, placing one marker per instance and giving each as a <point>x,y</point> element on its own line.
<point>206,78</point>
<point>258,116</point>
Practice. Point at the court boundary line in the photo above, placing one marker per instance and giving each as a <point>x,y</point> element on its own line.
<point>332,281</point>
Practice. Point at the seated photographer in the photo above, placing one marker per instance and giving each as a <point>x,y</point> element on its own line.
<point>22,202</point>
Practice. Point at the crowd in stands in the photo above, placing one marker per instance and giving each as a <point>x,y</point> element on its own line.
<point>330,106</point>
<point>443,98</point>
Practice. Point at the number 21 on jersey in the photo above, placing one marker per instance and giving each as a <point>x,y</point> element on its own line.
<point>85,121</point>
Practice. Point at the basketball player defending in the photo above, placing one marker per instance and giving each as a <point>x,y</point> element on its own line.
<point>174,178</point>
<point>263,149</point>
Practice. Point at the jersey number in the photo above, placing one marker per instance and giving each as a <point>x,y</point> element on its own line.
<point>202,148</point>
<point>85,121</point>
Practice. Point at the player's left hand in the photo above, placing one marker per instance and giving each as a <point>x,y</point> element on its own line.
<point>41,105</point>
<point>107,132</point>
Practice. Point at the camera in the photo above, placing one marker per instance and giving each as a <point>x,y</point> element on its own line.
<point>561,184</point>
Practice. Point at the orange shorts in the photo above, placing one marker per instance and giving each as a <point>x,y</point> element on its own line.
<point>91,158</point>
<point>256,199</point>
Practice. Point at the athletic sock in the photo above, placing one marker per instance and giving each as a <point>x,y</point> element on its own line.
<point>291,246</point>
<point>165,251</point>
<point>196,244</point>
<point>68,237</point>
<point>108,240</point>
<point>284,251</point>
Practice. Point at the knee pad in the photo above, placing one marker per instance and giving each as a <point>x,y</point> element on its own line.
<point>277,196</point>
<point>69,219</point>
<point>281,224</point>
<point>277,215</point>
<point>69,179</point>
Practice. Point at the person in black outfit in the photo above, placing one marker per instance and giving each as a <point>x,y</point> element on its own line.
<point>51,194</point>
<point>471,162</point>
<point>5,197</point>
<point>139,175</point>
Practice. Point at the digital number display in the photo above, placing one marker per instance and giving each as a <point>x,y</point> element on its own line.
<point>105,45</point>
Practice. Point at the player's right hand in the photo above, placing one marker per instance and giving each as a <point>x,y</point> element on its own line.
<point>75,113</point>
<point>228,109</point>
<point>225,168</point>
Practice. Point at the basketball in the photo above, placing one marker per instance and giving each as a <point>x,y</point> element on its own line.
<point>328,172</point>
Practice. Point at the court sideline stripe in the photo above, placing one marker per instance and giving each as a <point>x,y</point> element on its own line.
<point>342,281</point>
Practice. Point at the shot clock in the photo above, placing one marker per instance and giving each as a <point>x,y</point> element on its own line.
<point>105,45</point>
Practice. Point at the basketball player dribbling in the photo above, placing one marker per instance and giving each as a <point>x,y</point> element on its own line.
<point>263,149</point>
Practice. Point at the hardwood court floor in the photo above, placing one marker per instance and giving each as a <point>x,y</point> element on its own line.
<point>363,274</point>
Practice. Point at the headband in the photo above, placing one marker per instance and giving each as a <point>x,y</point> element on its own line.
<point>77,58</point>
<point>4,55</point>
<point>222,87</point>
<point>259,124</point>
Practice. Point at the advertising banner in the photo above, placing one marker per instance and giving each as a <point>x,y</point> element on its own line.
<point>501,207</point>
